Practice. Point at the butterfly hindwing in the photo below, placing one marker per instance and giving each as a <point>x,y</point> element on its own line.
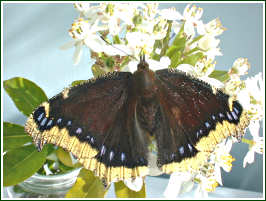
<point>96,122</point>
<point>194,118</point>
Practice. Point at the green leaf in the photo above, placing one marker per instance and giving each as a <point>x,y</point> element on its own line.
<point>62,168</point>
<point>180,43</point>
<point>122,191</point>
<point>192,60</point>
<point>87,186</point>
<point>181,31</point>
<point>109,62</point>
<point>174,54</point>
<point>25,94</point>
<point>154,55</point>
<point>77,82</point>
<point>64,157</point>
<point>51,148</point>
<point>220,75</point>
<point>14,136</point>
<point>21,163</point>
<point>97,71</point>
<point>172,51</point>
<point>165,43</point>
<point>193,50</point>
<point>124,62</point>
<point>195,39</point>
<point>116,39</point>
<point>175,59</point>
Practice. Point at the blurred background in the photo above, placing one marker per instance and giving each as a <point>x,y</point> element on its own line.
<point>33,33</point>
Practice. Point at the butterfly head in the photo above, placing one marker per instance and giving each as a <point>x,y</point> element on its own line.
<point>142,64</point>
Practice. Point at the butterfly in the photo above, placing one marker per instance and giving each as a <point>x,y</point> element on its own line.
<point>108,123</point>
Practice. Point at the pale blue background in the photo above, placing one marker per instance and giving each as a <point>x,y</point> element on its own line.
<point>33,34</point>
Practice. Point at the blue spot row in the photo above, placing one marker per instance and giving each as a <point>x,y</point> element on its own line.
<point>112,158</point>
<point>230,116</point>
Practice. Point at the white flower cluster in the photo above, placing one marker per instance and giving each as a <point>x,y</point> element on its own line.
<point>135,29</point>
<point>116,33</point>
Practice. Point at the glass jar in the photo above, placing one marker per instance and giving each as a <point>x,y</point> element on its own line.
<point>40,186</point>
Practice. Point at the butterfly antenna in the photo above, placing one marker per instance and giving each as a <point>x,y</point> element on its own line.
<point>118,48</point>
<point>142,58</point>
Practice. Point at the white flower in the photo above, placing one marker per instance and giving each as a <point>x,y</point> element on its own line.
<point>153,64</point>
<point>134,184</point>
<point>170,14</point>
<point>208,43</point>
<point>192,19</point>
<point>207,184</point>
<point>204,67</point>
<point>150,10</point>
<point>240,67</point>
<point>251,96</point>
<point>91,13</point>
<point>214,27</point>
<point>85,33</point>
<point>177,182</point>
<point>255,87</point>
<point>140,42</point>
<point>117,13</point>
<point>146,27</point>
<point>222,157</point>
<point>82,7</point>
<point>256,145</point>
<point>159,29</point>
<point>196,72</point>
<point>234,87</point>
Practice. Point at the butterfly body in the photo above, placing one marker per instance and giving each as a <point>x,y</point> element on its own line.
<point>108,123</point>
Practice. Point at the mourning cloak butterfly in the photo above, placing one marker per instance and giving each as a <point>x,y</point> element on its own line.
<point>108,123</point>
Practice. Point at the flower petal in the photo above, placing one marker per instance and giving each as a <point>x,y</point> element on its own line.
<point>189,28</point>
<point>155,65</point>
<point>78,53</point>
<point>200,28</point>
<point>95,43</point>
<point>134,184</point>
<point>200,193</point>
<point>254,128</point>
<point>132,66</point>
<point>218,175</point>
<point>228,145</point>
<point>171,14</point>
<point>68,45</point>
<point>212,82</point>
<point>186,68</point>
<point>153,168</point>
<point>249,158</point>
<point>176,180</point>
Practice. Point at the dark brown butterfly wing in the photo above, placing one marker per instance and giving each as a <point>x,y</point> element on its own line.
<point>96,122</point>
<point>193,117</point>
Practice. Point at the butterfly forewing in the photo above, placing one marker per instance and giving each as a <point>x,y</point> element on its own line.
<point>96,121</point>
<point>194,117</point>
